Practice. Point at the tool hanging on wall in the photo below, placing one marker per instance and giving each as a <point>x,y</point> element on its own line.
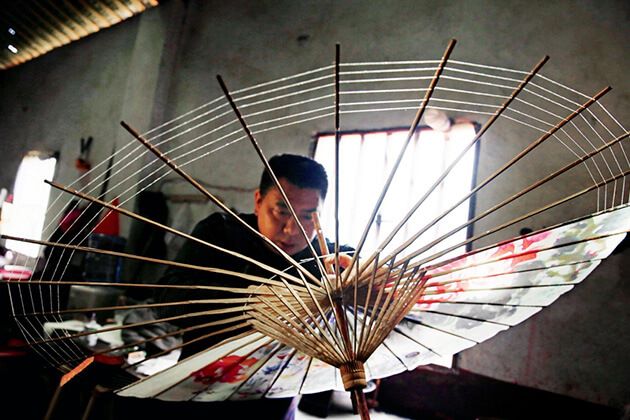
<point>108,220</point>
<point>83,162</point>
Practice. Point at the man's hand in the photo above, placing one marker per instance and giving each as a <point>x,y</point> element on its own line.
<point>329,262</point>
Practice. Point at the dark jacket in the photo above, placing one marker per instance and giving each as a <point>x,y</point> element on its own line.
<point>222,230</point>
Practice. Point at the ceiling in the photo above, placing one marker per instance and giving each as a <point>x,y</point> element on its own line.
<point>30,28</point>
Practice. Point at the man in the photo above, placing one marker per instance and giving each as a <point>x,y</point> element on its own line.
<point>305,183</point>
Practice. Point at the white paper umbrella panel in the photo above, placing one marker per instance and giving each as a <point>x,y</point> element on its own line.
<point>464,303</point>
<point>408,301</point>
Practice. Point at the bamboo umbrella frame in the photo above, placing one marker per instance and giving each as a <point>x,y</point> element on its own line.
<point>345,311</point>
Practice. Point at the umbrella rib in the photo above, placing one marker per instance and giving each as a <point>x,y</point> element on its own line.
<point>248,277</point>
<point>309,312</point>
<point>430,292</point>
<point>462,302</point>
<point>412,129</point>
<point>374,318</point>
<point>525,270</point>
<point>173,385</point>
<point>518,219</point>
<point>295,325</point>
<point>403,304</point>
<point>476,139</point>
<point>441,330</point>
<point>409,302</point>
<point>355,309</point>
<point>304,346</point>
<point>278,330</point>
<point>173,231</point>
<point>471,318</point>
<point>399,331</point>
<point>381,313</point>
<point>324,250</point>
<point>337,301</point>
<point>272,174</point>
<point>509,164</point>
<point>307,324</point>
<point>266,329</point>
<point>18,282</point>
<point>477,251</point>
<point>215,200</point>
<point>138,306</point>
<point>310,362</point>
<point>367,299</point>
<point>179,346</point>
<point>508,200</point>
<point>374,307</point>
<point>412,286</point>
<point>389,349</point>
<point>290,357</point>
<point>140,324</point>
<point>337,140</point>
<point>531,286</point>
<point>254,371</point>
<point>506,257</point>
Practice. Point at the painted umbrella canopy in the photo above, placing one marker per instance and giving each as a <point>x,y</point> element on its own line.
<point>465,301</point>
<point>403,303</point>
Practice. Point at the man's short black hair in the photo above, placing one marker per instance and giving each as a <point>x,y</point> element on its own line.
<point>300,171</point>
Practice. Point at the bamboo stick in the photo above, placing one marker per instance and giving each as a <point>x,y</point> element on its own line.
<point>215,200</point>
<point>272,175</point>
<point>141,324</point>
<point>174,231</point>
<point>476,139</point>
<point>248,277</point>
<point>501,170</point>
<point>412,129</point>
<point>520,218</point>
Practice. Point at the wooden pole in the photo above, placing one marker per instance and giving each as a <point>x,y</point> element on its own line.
<point>359,403</point>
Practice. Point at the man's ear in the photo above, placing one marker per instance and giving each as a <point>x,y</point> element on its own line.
<point>257,201</point>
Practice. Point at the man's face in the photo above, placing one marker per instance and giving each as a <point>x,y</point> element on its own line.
<point>275,220</point>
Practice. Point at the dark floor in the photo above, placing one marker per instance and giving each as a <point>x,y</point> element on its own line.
<point>27,387</point>
<point>440,393</point>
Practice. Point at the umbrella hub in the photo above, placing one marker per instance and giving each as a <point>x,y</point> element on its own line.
<point>353,375</point>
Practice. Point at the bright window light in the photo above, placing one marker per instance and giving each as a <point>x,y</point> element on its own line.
<point>24,217</point>
<point>366,160</point>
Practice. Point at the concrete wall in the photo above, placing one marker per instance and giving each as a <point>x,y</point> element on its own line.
<point>161,64</point>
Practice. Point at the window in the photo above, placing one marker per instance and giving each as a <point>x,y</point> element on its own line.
<point>366,159</point>
<point>24,216</point>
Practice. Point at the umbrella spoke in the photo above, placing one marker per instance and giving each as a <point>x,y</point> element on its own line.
<point>404,304</point>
